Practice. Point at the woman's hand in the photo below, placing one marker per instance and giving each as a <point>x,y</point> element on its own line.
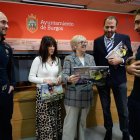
<point>48,81</point>
<point>73,78</point>
<point>58,80</point>
<point>53,82</point>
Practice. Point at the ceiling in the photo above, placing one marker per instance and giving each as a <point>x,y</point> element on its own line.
<point>104,5</point>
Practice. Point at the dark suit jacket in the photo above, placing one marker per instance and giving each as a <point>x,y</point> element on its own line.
<point>134,105</point>
<point>117,73</point>
<point>7,75</point>
<point>136,87</point>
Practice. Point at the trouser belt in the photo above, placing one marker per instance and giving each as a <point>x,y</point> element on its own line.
<point>3,87</point>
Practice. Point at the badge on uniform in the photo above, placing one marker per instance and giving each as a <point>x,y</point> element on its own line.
<point>7,52</point>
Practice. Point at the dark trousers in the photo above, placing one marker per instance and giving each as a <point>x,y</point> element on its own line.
<point>134,118</point>
<point>6,110</point>
<point>120,96</point>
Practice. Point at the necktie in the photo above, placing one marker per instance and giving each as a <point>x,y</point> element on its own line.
<point>109,45</point>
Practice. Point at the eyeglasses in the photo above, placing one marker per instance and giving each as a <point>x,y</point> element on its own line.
<point>83,42</point>
<point>137,22</point>
<point>3,22</point>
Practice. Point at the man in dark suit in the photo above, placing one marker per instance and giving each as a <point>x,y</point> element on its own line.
<point>134,98</point>
<point>116,80</point>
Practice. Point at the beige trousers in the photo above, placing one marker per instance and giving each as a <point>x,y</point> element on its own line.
<point>75,123</point>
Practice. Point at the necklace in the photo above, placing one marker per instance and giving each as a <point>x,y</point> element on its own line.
<point>50,62</point>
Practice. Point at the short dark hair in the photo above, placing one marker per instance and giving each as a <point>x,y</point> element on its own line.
<point>47,41</point>
<point>110,18</point>
<point>138,12</point>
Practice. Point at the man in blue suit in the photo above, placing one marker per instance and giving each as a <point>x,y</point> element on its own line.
<point>116,80</point>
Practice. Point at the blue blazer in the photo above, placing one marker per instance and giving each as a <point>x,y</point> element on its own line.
<point>117,73</point>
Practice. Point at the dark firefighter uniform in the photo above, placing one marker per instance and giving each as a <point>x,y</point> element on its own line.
<point>6,99</point>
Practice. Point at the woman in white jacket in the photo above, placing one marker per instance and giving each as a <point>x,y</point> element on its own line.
<point>45,69</point>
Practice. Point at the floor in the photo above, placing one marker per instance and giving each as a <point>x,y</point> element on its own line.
<point>97,133</point>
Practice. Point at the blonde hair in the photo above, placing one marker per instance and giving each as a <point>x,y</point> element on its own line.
<point>75,40</point>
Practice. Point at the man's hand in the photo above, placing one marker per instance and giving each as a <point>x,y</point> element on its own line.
<point>115,61</point>
<point>11,88</point>
<point>134,68</point>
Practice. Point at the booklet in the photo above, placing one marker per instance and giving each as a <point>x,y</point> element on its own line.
<point>51,92</point>
<point>91,73</point>
<point>119,51</point>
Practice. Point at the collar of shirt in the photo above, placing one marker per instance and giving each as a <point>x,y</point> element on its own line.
<point>109,39</point>
<point>2,38</point>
